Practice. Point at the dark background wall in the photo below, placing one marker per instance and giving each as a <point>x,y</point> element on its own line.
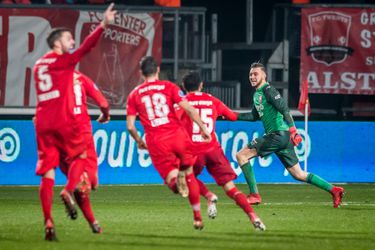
<point>232,28</point>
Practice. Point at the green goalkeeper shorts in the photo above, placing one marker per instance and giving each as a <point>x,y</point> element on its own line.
<point>277,142</point>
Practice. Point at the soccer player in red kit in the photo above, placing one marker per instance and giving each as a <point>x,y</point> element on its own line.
<point>210,154</point>
<point>57,129</point>
<point>84,87</point>
<point>166,140</point>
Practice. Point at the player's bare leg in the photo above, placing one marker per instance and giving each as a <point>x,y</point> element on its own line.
<point>181,184</point>
<point>336,192</point>
<point>171,180</point>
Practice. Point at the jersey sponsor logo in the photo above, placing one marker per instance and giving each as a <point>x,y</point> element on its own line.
<point>197,138</point>
<point>260,98</point>
<point>46,61</point>
<point>9,145</point>
<point>159,121</point>
<point>151,87</point>
<point>49,95</point>
<point>260,109</point>
<point>200,103</point>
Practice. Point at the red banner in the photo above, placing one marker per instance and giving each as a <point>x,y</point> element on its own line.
<point>112,64</point>
<point>338,50</point>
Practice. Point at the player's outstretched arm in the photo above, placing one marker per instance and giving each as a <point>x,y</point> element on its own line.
<point>225,111</point>
<point>248,116</point>
<point>228,114</point>
<point>108,15</point>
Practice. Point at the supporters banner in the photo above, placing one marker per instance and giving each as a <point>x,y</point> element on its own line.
<point>121,162</point>
<point>337,50</point>
<point>112,64</point>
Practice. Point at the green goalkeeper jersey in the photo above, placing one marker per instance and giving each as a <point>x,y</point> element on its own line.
<point>271,109</point>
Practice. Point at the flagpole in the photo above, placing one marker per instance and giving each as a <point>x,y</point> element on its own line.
<point>306,132</point>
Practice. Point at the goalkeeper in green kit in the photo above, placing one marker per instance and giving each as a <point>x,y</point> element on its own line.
<point>280,138</point>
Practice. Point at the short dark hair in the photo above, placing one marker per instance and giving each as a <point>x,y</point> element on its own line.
<point>191,81</point>
<point>148,66</point>
<point>258,65</point>
<point>56,34</point>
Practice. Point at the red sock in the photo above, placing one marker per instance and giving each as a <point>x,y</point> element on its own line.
<point>83,201</point>
<point>46,197</point>
<point>74,175</point>
<point>241,201</point>
<point>202,188</point>
<point>172,185</point>
<point>194,196</point>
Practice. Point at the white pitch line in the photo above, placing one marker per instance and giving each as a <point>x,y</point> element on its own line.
<point>349,203</point>
<point>311,203</point>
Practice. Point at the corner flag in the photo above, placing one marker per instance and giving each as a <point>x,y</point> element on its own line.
<point>304,99</point>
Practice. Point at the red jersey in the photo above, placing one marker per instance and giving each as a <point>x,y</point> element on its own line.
<point>153,102</point>
<point>209,108</point>
<point>53,74</point>
<point>83,87</point>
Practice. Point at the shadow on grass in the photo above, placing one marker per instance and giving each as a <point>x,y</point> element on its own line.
<point>208,240</point>
<point>312,235</point>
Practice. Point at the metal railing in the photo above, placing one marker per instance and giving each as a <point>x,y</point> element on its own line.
<point>227,91</point>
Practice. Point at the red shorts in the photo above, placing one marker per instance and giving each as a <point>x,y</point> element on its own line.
<point>67,141</point>
<point>91,164</point>
<point>217,165</point>
<point>170,151</point>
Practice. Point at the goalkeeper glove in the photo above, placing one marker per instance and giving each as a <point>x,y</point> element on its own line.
<point>294,136</point>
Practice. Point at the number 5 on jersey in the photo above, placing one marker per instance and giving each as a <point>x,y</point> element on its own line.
<point>206,117</point>
<point>45,84</point>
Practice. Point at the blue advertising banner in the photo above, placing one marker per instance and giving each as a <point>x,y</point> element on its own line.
<point>338,152</point>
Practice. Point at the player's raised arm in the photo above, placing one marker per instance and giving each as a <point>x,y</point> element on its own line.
<point>91,40</point>
<point>108,15</point>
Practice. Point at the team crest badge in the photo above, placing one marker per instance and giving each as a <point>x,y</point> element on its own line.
<point>329,37</point>
<point>260,98</point>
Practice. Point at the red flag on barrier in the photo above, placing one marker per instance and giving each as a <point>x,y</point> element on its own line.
<point>304,98</point>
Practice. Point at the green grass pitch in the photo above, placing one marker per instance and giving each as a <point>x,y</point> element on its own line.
<point>151,217</point>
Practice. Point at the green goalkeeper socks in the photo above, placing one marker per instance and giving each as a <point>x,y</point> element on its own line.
<point>248,172</point>
<point>319,182</point>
